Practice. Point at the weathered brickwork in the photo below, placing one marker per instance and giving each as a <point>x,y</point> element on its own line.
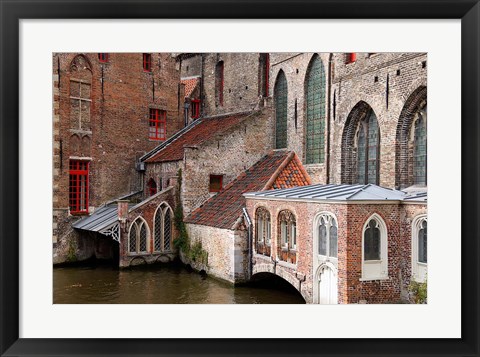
<point>101,115</point>
<point>228,154</point>
<point>351,219</point>
<point>240,85</point>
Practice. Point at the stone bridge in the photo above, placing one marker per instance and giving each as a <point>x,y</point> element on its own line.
<point>284,270</point>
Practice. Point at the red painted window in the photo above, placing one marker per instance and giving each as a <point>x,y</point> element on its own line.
<point>103,57</point>
<point>78,186</point>
<point>265,71</point>
<point>195,108</point>
<point>158,125</point>
<point>152,187</point>
<point>147,62</point>
<point>219,82</point>
<point>216,183</point>
<point>350,57</point>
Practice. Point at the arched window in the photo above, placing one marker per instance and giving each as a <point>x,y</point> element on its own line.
<point>420,148</point>
<point>315,112</point>
<point>287,237</point>
<point>138,241</point>
<point>152,187</point>
<point>411,141</point>
<point>368,148</point>
<point>163,228</point>
<point>219,82</point>
<point>361,146</point>
<point>263,231</point>
<point>419,248</point>
<point>374,249</point>
<point>280,95</point>
<point>327,236</point>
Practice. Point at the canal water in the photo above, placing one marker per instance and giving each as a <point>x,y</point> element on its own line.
<point>162,284</point>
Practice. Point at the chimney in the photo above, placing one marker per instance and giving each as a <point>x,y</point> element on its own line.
<point>122,210</point>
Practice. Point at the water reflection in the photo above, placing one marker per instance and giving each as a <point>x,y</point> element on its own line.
<point>170,284</point>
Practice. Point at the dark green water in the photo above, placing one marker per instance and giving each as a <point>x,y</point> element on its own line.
<point>166,284</point>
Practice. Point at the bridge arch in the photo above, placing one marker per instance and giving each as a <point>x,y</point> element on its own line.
<point>280,272</point>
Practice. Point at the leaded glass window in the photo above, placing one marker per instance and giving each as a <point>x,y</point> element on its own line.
<point>322,241</point>
<point>281,94</point>
<point>333,239</point>
<point>368,146</point>
<point>143,238</point>
<point>167,229</point>
<point>138,237</point>
<point>327,236</point>
<point>268,230</point>
<point>420,149</point>
<point>293,235</point>
<point>315,113</point>
<point>371,244</point>
<point>422,243</point>
<point>132,239</point>
<point>284,233</point>
<point>158,231</point>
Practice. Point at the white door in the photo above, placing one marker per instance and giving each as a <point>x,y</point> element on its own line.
<point>328,289</point>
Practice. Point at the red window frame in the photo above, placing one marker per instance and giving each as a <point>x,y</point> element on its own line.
<point>103,57</point>
<point>147,62</point>
<point>78,186</point>
<point>195,108</point>
<point>157,125</point>
<point>215,177</point>
<point>152,187</point>
<point>351,57</point>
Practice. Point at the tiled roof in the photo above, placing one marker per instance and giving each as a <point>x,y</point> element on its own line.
<point>292,175</point>
<point>203,130</point>
<point>190,84</point>
<point>223,210</point>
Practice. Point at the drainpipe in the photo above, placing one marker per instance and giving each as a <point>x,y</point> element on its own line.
<point>249,237</point>
<point>329,90</point>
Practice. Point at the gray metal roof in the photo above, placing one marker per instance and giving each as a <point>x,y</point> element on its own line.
<point>98,220</point>
<point>321,192</point>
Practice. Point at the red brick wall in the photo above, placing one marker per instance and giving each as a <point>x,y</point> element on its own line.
<point>351,219</point>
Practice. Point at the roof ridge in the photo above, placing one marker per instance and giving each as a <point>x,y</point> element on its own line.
<point>170,140</point>
<point>279,169</point>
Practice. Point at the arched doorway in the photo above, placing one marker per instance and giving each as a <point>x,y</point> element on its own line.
<point>327,285</point>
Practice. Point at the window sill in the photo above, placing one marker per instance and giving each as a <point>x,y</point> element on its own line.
<point>374,278</point>
<point>132,254</point>
<point>287,264</point>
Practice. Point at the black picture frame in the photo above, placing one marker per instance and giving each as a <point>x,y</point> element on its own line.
<point>12,11</point>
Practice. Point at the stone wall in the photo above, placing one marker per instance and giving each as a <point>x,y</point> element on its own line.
<point>228,154</point>
<point>241,82</point>
<point>227,252</point>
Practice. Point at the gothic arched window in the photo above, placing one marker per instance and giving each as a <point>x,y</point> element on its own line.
<point>287,237</point>
<point>138,241</point>
<point>327,236</point>
<point>315,112</point>
<point>263,231</point>
<point>163,228</point>
<point>368,150</point>
<point>374,249</point>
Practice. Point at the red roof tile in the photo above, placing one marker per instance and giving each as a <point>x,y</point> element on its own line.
<point>201,132</point>
<point>190,85</point>
<point>223,210</point>
<point>292,175</point>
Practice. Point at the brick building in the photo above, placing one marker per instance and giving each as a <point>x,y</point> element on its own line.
<point>353,121</point>
<point>109,110</point>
